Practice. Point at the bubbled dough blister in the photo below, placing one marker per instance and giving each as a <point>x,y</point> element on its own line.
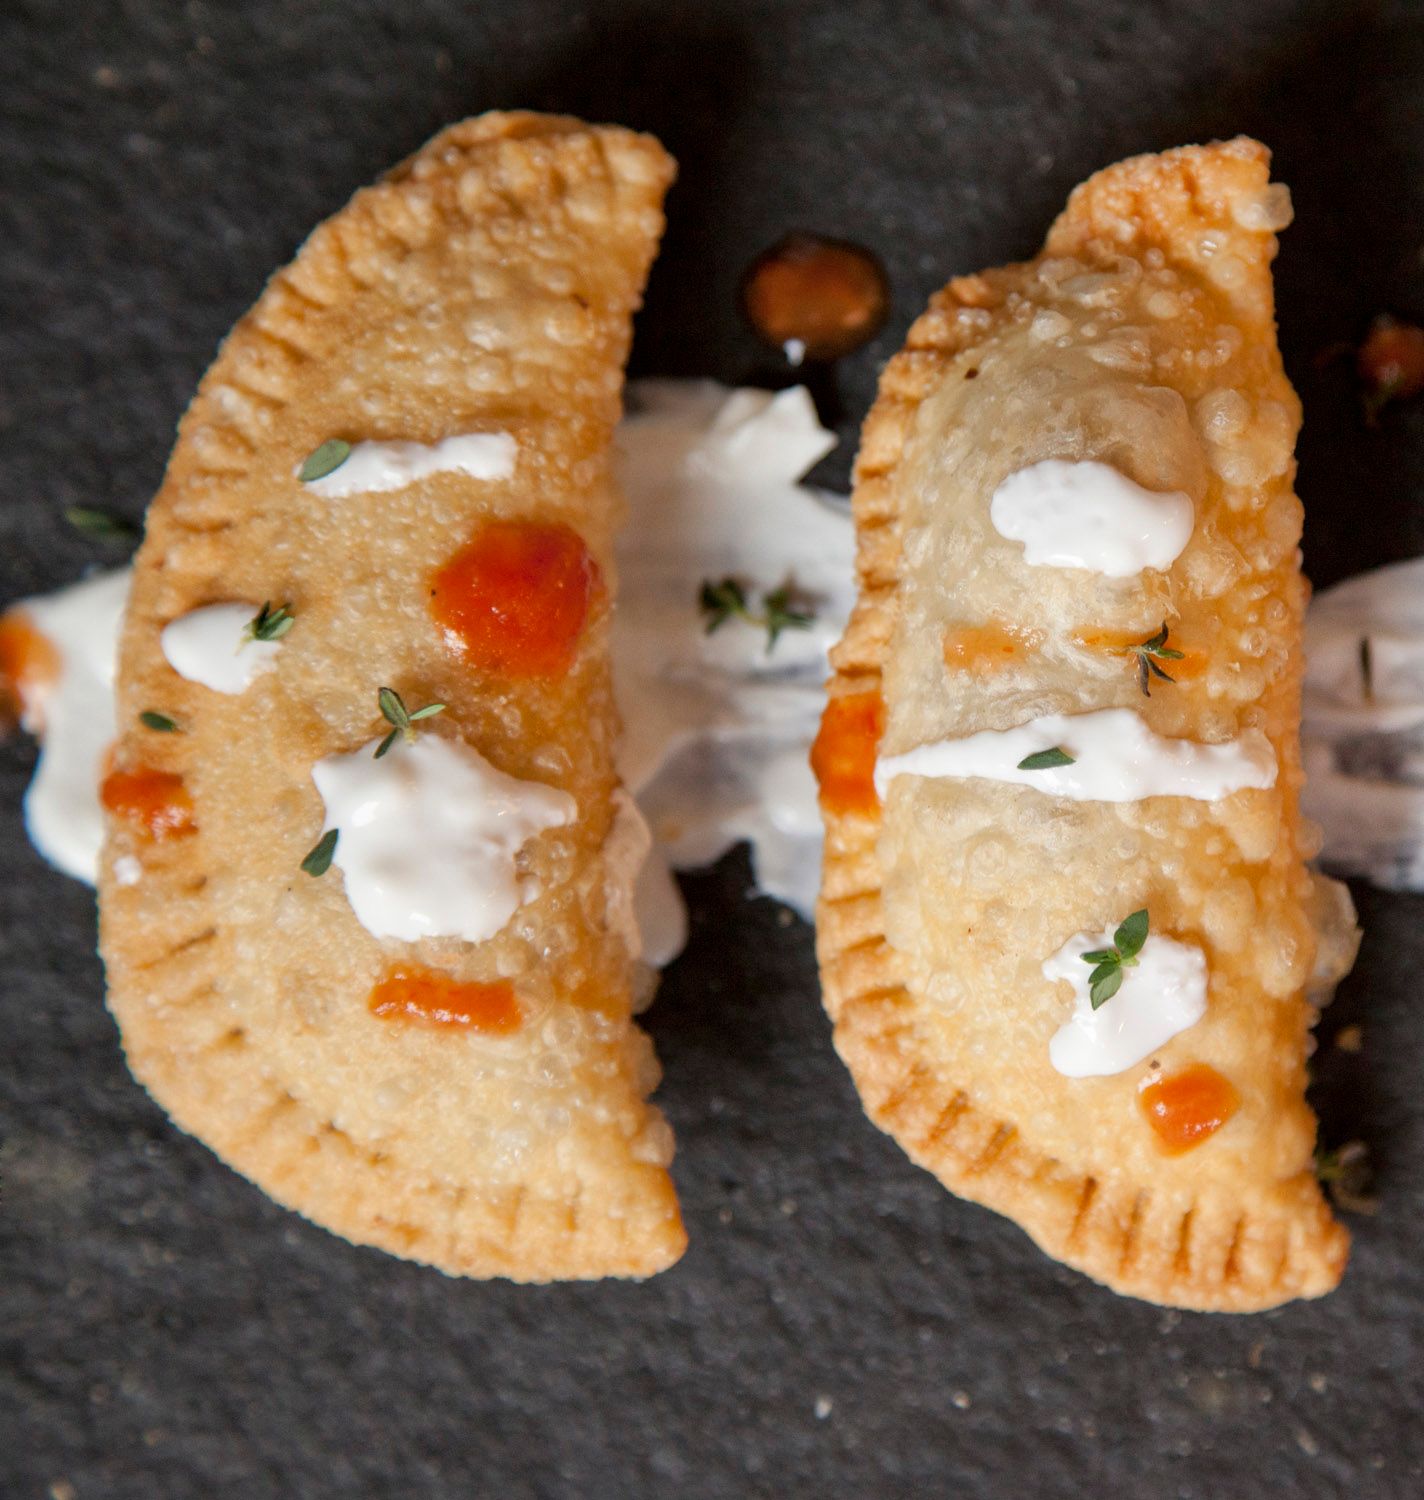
<point>486,285</point>
<point>1142,338</point>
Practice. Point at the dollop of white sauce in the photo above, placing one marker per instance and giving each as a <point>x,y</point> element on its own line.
<point>1117,758</point>
<point>1090,515</point>
<point>373,467</point>
<point>211,646</point>
<point>718,729</point>
<point>1163,995</point>
<point>428,837</point>
<point>75,715</point>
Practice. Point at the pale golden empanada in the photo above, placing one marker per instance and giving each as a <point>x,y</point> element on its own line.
<point>1142,337</point>
<point>486,286</point>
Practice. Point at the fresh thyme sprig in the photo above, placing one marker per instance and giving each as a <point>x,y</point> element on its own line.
<point>1148,654</point>
<point>269,624</point>
<point>1347,1176</point>
<point>104,525</point>
<point>318,860</point>
<point>325,460</point>
<point>1106,979</point>
<point>395,713</point>
<point>727,600</point>
<point>1046,760</point>
<point>160,723</point>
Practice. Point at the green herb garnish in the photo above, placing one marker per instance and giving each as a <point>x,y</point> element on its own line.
<point>1106,979</point>
<point>318,862</point>
<point>326,460</point>
<point>103,524</point>
<point>394,712</point>
<point>1148,654</point>
<point>727,600</point>
<point>269,624</point>
<point>1347,1175</point>
<point>1046,760</point>
<point>159,722</point>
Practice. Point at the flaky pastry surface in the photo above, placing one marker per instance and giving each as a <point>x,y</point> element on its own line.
<point>1142,336</point>
<point>488,283</point>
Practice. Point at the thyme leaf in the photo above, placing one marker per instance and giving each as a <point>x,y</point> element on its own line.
<point>270,624</point>
<point>1046,760</point>
<point>318,860</point>
<point>325,460</point>
<point>400,718</point>
<point>1108,963</point>
<point>728,600</point>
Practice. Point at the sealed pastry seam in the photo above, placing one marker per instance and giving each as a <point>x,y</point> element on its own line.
<point>467,319</point>
<point>1237,1222</point>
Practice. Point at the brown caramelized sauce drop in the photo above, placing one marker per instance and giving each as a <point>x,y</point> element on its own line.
<point>815,298</point>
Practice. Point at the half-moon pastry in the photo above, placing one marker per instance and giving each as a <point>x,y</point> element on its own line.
<point>365,891</point>
<point>1064,928</point>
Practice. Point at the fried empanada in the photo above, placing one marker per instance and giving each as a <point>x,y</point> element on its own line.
<point>365,887</point>
<point>1066,954</point>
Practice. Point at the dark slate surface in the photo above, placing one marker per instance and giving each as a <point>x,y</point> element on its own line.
<point>840,1326</point>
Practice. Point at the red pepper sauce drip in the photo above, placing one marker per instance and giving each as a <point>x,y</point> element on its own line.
<point>430,999</point>
<point>515,600</point>
<point>843,757</point>
<point>827,296</point>
<point>155,802</point>
<point>1188,1107</point>
<point>29,663</point>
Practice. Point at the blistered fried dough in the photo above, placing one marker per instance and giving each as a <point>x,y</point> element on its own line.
<point>486,285</point>
<point>1142,336</point>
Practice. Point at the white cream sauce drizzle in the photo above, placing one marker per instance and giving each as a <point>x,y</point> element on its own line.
<point>429,836</point>
<point>373,467</point>
<point>1090,515</point>
<point>211,646</point>
<point>1163,995</point>
<point>75,715</point>
<point>718,729</point>
<point>1117,758</point>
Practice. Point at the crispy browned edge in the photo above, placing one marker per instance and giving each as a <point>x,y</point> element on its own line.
<point>300,1159</point>
<point>1106,1230</point>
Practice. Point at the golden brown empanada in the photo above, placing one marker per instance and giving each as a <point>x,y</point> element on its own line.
<point>1078,543</point>
<point>396,992</point>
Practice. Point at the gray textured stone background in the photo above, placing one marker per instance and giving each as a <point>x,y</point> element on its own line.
<point>840,1326</point>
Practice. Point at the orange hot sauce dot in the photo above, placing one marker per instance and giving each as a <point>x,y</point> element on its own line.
<point>431,999</point>
<point>516,599</point>
<point>29,664</point>
<point>983,649</point>
<point>1187,1107</point>
<point>155,802</point>
<point>843,756</point>
<point>1390,362</point>
<point>828,296</point>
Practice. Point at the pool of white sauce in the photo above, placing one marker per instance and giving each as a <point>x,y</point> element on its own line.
<point>1163,994</point>
<point>1091,516</point>
<point>212,646</point>
<point>428,836</point>
<point>374,467</point>
<point>1115,758</point>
